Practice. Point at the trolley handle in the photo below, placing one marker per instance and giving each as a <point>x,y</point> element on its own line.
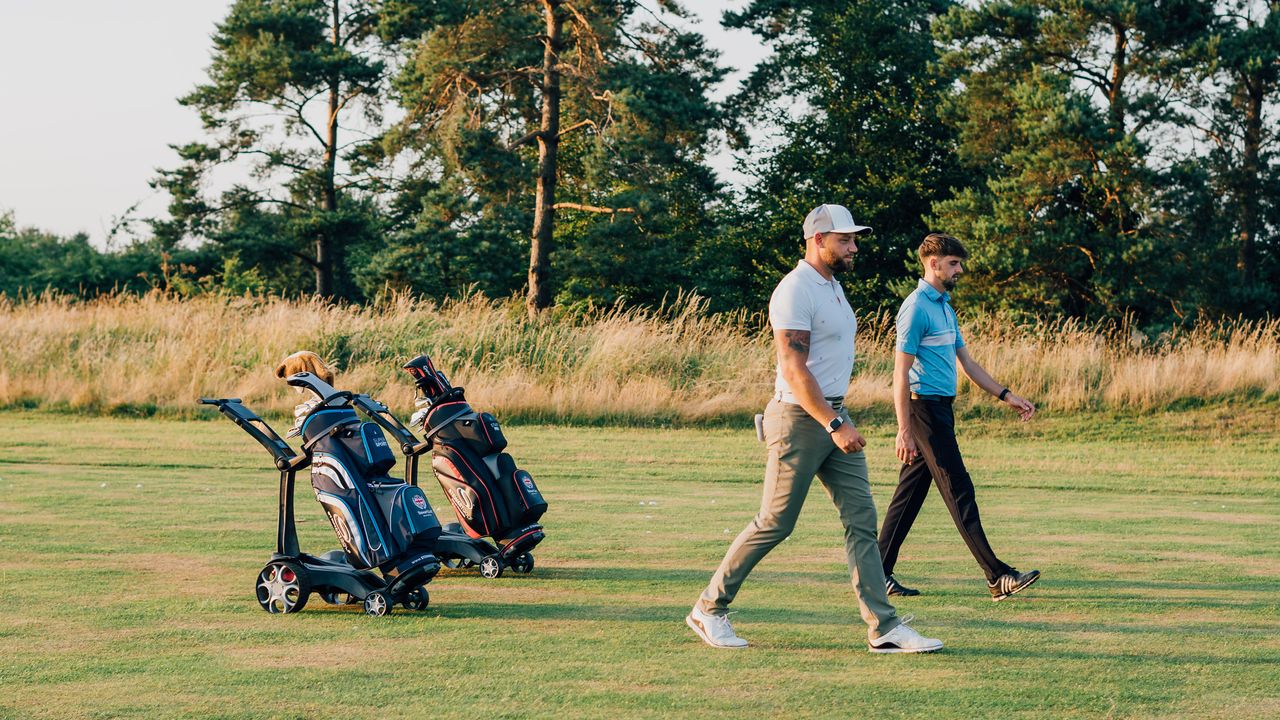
<point>257,428</point>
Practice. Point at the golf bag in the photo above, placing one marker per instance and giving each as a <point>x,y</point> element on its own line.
<point>491,496</point>
<point>381,521</point>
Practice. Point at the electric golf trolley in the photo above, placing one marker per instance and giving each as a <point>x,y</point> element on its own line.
<point>386,526</point>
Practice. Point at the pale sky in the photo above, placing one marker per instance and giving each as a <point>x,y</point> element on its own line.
<point>90,106</point>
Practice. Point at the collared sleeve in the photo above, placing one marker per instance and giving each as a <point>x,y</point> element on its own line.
<point>911,326</point>
<point>790,308</point>
<point>959,338</point>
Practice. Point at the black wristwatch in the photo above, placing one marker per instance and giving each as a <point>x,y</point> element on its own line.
<point>835,424</point>
<point>1003,393</point>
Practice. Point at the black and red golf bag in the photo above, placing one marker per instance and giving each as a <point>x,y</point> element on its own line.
<point>491,496</point>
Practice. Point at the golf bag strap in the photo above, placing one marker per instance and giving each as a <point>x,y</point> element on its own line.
<point>432,433</point>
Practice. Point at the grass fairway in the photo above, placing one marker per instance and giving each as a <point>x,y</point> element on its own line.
<point>129,549</point>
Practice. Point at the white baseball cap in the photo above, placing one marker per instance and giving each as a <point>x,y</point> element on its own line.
<point>831,218</point>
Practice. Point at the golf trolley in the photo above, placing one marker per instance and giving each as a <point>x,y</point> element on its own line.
<point>490,495</point>
<point>385,525</point>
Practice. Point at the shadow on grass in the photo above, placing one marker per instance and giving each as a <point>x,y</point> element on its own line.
<point>1130,597</point>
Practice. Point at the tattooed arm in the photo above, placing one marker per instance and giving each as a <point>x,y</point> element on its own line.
<point>793,353</point>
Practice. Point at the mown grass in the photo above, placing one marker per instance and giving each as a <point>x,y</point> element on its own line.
<point>141,356</point>
<point>130,548</point>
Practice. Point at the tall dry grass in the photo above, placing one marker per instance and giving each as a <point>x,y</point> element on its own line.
<point>675,364</point>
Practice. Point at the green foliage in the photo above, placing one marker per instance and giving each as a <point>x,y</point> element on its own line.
<point>636,124</point>
<point>287,76</point>
<point>1101,159</point>
<point>854,89</point>
<point>1058,106</point>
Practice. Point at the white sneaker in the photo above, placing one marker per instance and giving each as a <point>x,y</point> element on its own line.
<point>715,630</point>
<point>903,639</point>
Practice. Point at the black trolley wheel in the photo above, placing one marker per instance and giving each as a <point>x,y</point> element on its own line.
<point>283,587</point>
<point>419,599</point>
<point>491,567</point>
<point>523,563</point>
<point>377,604</point>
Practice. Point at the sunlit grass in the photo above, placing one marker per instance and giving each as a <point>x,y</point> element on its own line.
<point>678,364</point>
<point>130,547</point>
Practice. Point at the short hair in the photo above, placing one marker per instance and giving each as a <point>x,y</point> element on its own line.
<point>941,245</point>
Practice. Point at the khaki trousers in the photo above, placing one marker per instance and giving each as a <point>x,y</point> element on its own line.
<point>799,449</point>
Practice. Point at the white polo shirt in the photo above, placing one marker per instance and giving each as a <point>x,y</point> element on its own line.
<point>805,300</point>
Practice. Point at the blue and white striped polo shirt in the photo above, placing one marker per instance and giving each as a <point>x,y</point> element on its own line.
<point>927,328</point>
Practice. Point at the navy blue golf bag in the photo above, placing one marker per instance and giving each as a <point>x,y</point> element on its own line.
<point>491,496</point>
<point>380,520</point>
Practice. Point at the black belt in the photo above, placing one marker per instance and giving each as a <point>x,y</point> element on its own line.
<point>933,398</point>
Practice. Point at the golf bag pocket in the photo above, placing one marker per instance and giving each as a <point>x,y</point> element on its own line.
<point>480,431</point>
<point>369,449</point>
<point>409,515</point>
<point>534,505</point>
<point>492,431</point>
<point>356,519</point>
<point>466,482</point>
<point>524,503</point>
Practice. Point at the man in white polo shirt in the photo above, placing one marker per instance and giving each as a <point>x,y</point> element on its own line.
<point>809,433</point>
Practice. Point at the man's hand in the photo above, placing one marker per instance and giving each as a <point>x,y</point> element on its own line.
<point>906,446</point>
<point>847,438</point>
<point>1022,405</point>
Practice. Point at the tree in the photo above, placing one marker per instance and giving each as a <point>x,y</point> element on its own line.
<point>1059,103</point>
<point>485,84</point>
<point>33,261</point>
<point>1242,83</point>
<point>288,76</point>
<point>853,92</point>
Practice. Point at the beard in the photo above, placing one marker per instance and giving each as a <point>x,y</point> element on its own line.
<point>837,263</point>
<point>950,283</point>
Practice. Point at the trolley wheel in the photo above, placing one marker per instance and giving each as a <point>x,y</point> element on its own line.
<point>283,587</point>
<point>419,599</point>
<point>377,604</point>
<point>491,567</point>
<point>523,563</point>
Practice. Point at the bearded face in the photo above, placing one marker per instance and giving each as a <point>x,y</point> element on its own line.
<point>837,250</point>
<point>948,270</point>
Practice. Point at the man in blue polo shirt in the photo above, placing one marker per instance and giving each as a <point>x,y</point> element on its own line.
<point>924,386</point>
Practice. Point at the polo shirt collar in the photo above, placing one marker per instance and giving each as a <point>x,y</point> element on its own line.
<point>813,274</point>
<point>932,293</point>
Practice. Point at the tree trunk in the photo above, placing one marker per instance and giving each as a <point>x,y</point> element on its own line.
<point>1254,91</point>
<point>1119,72</point>
<point>328,260</point>
<point>539,297</point>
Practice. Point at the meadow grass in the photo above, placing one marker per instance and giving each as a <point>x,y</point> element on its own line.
<point>130,355</point>
<point>130,548</point>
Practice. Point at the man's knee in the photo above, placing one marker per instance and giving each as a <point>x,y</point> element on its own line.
<point>860,521</point>
<point>772,528</point>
